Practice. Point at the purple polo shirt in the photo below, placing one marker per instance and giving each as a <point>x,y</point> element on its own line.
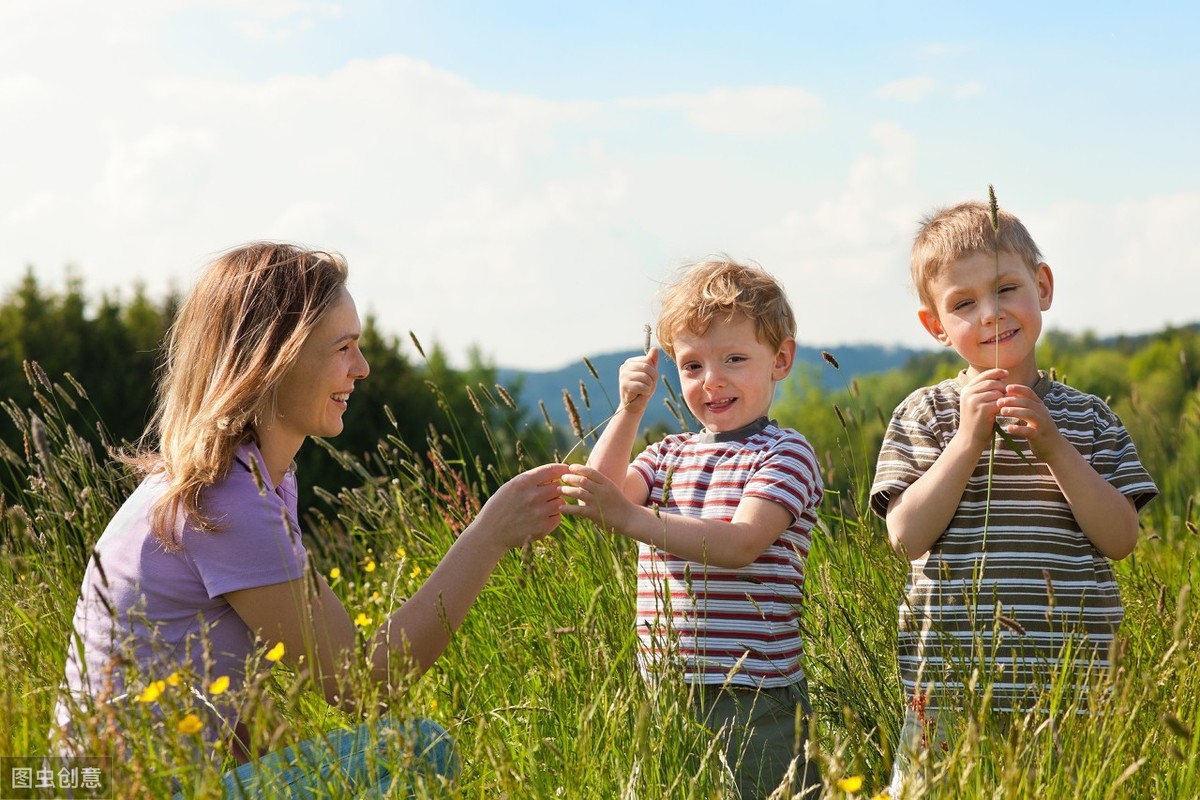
<point>168,608</point>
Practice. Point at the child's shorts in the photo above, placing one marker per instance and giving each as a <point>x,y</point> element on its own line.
<point>761,735</point>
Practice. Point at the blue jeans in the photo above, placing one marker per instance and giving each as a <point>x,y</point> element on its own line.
<point>366,761</point>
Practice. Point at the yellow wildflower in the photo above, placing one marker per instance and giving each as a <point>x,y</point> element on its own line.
<point>219,685</point>
<point>151,692</point>
<point>362,620</point>
<point>173,679</point>
<point>275,653</point>
<point>370,565</point>
<point>334,574</point>
<point>851,784</point>
<point>190,724</point>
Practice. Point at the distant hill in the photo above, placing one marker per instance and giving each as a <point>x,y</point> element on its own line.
<point>548,386</point>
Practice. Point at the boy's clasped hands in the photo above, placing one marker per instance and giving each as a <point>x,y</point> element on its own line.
<point>989,401</point>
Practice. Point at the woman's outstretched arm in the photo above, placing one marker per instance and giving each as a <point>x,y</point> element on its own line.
<point>312,623</point>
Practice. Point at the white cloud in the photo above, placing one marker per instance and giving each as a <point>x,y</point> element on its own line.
<point>942,49</point>
<point>908,90</point>
<point>22,87</point>
<point>753,111</point>
<point>869,207</point>
<point>968,89</point>
<point>1123,267</point>
<point>281,20</point>
<point>155,177</point>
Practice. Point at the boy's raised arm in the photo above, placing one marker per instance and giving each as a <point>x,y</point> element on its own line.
<point>637,380</point>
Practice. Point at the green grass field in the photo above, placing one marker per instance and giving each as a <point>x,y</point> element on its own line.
<point>540,689</point>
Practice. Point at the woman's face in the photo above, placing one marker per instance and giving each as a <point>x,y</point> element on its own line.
<point>314,393</point>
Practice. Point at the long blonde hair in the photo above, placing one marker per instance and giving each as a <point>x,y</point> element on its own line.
<point>235,337</point>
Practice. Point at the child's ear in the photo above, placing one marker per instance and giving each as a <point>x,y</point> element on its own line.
<point>931,323</point>
<point>785,356</point>
<point>1045,285</point>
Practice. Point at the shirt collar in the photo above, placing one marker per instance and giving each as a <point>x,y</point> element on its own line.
<point>758,426</point>
<point>248,452</point>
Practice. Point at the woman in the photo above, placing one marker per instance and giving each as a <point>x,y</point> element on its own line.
<point>202,570</point>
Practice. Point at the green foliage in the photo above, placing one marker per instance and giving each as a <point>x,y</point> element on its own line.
<point>113,351</point>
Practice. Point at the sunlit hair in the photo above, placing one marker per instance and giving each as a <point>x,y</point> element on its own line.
<point>717,289</point>
<point>954,232</point>
<point>235,337</point>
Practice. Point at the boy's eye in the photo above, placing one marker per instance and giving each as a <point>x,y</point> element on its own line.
<point>1008,287</point>
<point>961,304</point>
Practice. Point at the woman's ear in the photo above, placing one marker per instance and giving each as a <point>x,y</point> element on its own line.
<point>931,323</point>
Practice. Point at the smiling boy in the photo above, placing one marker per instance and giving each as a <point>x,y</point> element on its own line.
<point>724,518</point>
<point>1009,553</point>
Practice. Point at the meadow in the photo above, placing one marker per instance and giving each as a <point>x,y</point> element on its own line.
<point>540,687</point>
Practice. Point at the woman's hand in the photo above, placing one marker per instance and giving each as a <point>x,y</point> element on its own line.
<point>524,509</point>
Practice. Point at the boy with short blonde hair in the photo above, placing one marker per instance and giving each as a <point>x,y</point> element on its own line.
<point>1010,552</point>
<point>724,519</point>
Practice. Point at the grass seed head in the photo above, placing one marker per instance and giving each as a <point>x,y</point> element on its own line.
<point>417,344</point>
<point>1176,726</point>
<point>506,398</point>
<point>41,443</point>
<point>572,414</point>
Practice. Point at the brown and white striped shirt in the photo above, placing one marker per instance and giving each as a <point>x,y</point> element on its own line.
<point>1026,594</point>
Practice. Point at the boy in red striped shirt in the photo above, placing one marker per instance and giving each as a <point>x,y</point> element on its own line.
<point>724,518</point>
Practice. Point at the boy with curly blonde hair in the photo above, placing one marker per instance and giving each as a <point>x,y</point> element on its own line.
<point>724,519</point>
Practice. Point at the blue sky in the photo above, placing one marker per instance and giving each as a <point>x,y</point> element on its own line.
<point>522,176</point>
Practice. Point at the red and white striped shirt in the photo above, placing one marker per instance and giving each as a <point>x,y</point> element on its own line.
<point>714,623</point>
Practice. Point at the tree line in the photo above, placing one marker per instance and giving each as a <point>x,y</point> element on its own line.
<point>460,421</point>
